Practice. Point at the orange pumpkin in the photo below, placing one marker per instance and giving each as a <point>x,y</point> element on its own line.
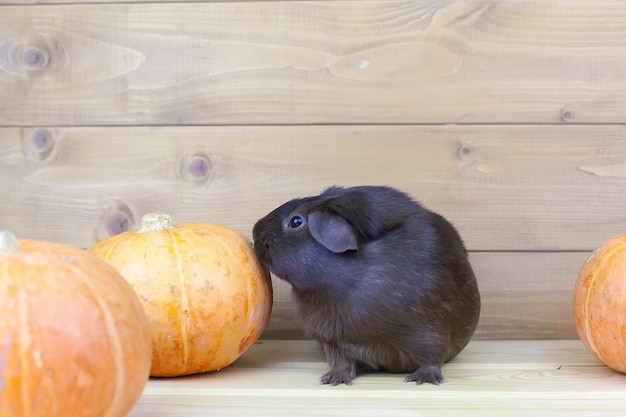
<point>74,340</point>
<point>600,303</point>
<point>206,296</point>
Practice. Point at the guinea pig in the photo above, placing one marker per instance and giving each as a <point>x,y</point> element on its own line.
<point>381,282</point>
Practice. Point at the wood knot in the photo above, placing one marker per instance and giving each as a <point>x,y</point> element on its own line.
<point>38,144</point>
<point>196,167</point>
<point>33,57</point>
<point>568,115</point>
<point>116,217</point>
<point>466,152</point>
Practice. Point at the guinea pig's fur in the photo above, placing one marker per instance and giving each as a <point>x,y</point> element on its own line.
<point>383,283</point>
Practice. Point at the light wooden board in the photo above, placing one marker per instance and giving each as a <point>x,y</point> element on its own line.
<point>504,116</point>
<point>287,62</point>
<point>36,2</point>
<point>512,378</point>
<point>506,188</point>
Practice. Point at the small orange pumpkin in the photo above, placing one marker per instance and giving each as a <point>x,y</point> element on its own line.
<point>206,296</point>
<point>74,340</point>
<point>600,303</point>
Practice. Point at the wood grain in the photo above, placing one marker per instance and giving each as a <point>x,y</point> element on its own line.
<point>507,117</point>
<point>506,188</point>
<point>303,62</point>
<point>512,378</point>
<point>45,2</point>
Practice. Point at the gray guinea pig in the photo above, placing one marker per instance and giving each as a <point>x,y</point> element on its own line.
<point>381,282</point>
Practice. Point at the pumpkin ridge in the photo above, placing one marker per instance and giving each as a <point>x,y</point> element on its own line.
<point>223,242</point>
<point>184,300</point>
<point>619,315</point>
<point>599,265</point>
<point>247,287</point>
<point>3,357</point>
<point>249,293</point>
<point>115,341</point>
<point>24,343</point>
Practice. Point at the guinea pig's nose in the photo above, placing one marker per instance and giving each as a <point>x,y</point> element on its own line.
<point>256,232</point>
<point>263,251</point>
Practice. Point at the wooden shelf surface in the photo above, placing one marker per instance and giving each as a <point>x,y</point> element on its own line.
<point>489,378</point>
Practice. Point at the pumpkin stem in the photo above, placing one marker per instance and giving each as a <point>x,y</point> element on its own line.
<point>8,243</point>
<point>151,222</point>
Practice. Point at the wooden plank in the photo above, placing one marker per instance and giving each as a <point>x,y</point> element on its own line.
<point>512,378</point>
<point>524,296</point>
<point>41,2</point>
<point>295,62</point>
<point>506,188</point>
<point>521,188</point>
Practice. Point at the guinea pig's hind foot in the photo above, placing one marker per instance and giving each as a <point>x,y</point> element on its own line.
<point>430,374</point>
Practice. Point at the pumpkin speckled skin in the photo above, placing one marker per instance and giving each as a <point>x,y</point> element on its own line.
<point>600,303</point>
<point>206,296</point>
<point>74,340</point>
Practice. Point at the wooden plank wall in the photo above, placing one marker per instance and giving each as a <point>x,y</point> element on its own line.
<point>505,116</point>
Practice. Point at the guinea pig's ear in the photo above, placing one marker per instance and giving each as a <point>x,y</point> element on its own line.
<point>332,231</point>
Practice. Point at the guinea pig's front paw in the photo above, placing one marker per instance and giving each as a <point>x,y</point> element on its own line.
<point>430,374</point>
<point>337,376</point>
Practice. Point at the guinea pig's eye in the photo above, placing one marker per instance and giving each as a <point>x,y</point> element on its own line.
<point>296,221</point>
